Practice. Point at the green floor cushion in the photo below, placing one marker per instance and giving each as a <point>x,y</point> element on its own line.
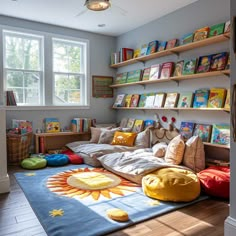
<point>172,184</point>
<point>33,163</point>
<point>57,159</point>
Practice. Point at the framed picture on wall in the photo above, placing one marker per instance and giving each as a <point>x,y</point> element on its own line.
<point>101,86</point>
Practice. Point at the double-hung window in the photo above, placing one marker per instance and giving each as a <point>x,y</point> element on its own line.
<point>69,72</point>
<point>23,67</point>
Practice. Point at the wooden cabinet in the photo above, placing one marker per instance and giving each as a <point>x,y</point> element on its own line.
<point>55,141</point>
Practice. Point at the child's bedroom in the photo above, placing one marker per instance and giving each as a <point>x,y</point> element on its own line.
<point>117,118</point>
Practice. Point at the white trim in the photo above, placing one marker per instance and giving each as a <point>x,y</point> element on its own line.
<point>43,108</point>
<point>230,226</point>
<point>5,184</point>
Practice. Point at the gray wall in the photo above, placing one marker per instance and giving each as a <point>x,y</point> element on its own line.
<point>100,48</point>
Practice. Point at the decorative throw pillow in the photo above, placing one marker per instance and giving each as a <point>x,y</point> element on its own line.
<point>124,138</point>
<point>194,155</point>
<point>106,136</point>
<point>96,132</point>
<point>143,139</point>
<point>159,149</point>
<point>175,151</point>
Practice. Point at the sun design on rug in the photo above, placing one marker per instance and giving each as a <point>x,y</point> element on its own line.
<point>96,183</point>
<point>56,212</point>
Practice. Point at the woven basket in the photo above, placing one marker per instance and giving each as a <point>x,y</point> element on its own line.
<point>18,146</point>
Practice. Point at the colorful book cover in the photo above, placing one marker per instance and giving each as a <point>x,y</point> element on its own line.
<point>204,64</point>
<point>143,49</point>
<point>138,126</point>
<point>24,126</point>
<point>149,123</point>
<point>134,76</point>
<point>179,68</point>
<point>51,125</point>
<point>171,100</point>
<point>120,100</point>
<point>152,47</point>
<point>203,131</point>
<point>134,100</point>
<point>185,100</point>
<point>189,67</point>
<point>186,129</point>
<point>142,100</point>
<point>150,100</point>
<point>127,54</point>
<point>187,38</point>
<point>220,134</point>
<point>219,61</point>
<point>216,98</point>
<point>159,100</point>
<point>216,29</point>
<point>201,98</point>
<point>124,122</point>
<point>171,43</point>
<point>146,73</point>
<point>201,34</point>
<point>155,72</point>
<point>227,100</point>
<point>167,70</point>
<point>162,46</point>
<point>121,78</point>
<point>128,100</point>
<point>137,52</point>
<point>130,123</point>
<point>227,27</point>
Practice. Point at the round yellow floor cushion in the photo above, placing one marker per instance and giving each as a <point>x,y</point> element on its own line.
<point>172,184</point>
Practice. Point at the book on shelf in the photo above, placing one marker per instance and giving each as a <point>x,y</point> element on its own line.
<point>204,64</point>
<point>143,49</point>
<point>121,78</point>
<point>130,123</point>
<point>152,47</point>
<point>219,61</point>
<point>134,100</point>
<point>227,27</point>
<point>115,58</point>
<point>178,68</point>
<point>227,100</point>
<point>126,54</point>
<point>24,126</point>
<point>216,29</point>
<point>172,43</point>
<point>81,124</point>
<point>155,72</point>
<point>134,76</point>
<point>220,134</point>
<point>171,100</point>
<point>187,38</point>
<point>124,122</point>
<point>120,100</point>
<point>138,126</point>
<point>128,100</point>
<point>185,100</point>
<point>149,100</point>
<point>216,98</point>
<point>200,98</point>
<point>189,66</point>
<point>167,70</point>
<point>149,123</point>
<point>51,125</point>
<point>186,129</point>
<point>159,100</point>
<point>146,73</point>
<point>137,52</point>
<point>142,100</point>
<point>203,131</point>
<point>227,67</point>
<point>201,33</point>
<point>162,46</point>
<point>10,98</point>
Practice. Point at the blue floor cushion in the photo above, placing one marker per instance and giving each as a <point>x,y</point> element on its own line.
<point>57,159</point>
<point>33,163</point>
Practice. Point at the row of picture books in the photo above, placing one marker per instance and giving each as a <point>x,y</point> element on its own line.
<point>125,54</point>
<point>201,98</point>
<point>81,124</point>
<point>207,63</point>
<point>215,133</point>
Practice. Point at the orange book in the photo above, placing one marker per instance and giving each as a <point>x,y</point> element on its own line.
<point>201,33</point>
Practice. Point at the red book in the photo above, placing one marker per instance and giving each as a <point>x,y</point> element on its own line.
<point>167,70</point>
<point>41,145</point>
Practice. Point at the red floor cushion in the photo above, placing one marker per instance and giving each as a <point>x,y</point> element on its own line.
<point>215,181</point>
<point>73,157</point>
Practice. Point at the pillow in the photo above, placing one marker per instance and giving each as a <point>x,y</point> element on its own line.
<point>96,132</point>
<point>159,149</point>
<point>143,139</point>
<point>106,136</point>
<point>194,155</point>
<point>124,138</point>
<point>175,151</point>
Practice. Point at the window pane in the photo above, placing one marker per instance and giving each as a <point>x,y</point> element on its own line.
<point>22,53</point>
<point>67,89</point>
<point>25,86</point>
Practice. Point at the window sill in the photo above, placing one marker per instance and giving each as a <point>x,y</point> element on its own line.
<point>36,108</point>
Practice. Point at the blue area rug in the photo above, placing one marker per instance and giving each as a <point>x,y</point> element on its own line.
<point>65,206</point>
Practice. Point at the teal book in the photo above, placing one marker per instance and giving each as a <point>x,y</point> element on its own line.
<point>201,98</point>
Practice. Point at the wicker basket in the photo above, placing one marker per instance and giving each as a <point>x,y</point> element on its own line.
<point>18,146</point>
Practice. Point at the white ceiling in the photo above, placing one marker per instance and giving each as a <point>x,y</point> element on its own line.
<point>123,16</point>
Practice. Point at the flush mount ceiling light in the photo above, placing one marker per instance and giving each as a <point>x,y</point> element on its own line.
<point>97,5</point>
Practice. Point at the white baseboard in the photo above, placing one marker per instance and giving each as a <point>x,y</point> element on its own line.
<point>230,227</point>
<point>4,184</point>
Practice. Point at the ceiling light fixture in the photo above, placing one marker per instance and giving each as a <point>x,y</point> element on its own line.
<point>97,5</point>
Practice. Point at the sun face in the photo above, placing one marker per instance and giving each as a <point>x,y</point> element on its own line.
<point>96,183</point>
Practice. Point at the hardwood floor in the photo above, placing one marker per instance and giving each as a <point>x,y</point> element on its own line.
<point>204,218</point>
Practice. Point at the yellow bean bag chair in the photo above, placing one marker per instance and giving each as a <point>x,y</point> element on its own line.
<point>172,184</point>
